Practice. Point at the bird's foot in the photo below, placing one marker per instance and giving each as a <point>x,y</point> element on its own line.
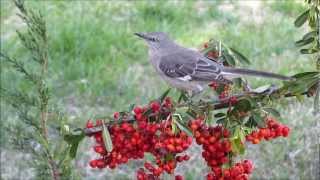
<point>246,86</point>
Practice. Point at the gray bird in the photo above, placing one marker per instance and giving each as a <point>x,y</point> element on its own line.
<point>189,70</point>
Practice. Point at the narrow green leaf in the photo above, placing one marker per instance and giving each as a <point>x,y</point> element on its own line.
<point>237,146</point>
<point>218,115</point>
<point>62,155</point>
<point>182,97</point>
<point>106,138</point>
<point>242,136</point>
<point>242,59</point>
<point>308,51</point>
<point>302,85</point>
<point>147,112</point>
<point>191,113</point>
<point>182,127</point>
<point>73,140</point>
<point>131,107</point>
<point>304,42</point>
<point>309,35</point>
<point>207,50</point>
<point>164,95</point>
<point>234,146</point>
<point>258,119</point>
<point>237,82</point>
<point>230,60</point>
<point>174,127</point>
<point>73,150</point>
<point>221,121</point>
<point>244,105</point>
<point>302,18</point>
<point>272,111</point>
<point>251,123</point>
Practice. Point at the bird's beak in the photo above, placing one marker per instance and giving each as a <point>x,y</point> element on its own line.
<point>141,35</point>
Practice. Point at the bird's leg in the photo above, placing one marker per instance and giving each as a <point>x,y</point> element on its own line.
<point>246,86</point>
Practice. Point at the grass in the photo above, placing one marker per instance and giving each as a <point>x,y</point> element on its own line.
<point>97,66</point>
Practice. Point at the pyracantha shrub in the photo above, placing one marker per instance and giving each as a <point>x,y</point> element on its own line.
<point>157,130</point>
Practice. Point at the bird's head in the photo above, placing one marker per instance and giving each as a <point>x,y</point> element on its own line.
<point>156,40</point>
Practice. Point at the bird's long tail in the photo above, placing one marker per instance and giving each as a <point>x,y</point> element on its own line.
<point>249,72</point>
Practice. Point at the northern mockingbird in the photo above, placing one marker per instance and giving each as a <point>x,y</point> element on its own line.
<point>189,70</point>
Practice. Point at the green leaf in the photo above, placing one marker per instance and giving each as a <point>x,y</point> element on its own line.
<point>242,59</point>
<point>73,150</point>
<point>182,127</point>
<point>306,75</point>
<point>164,95</point>
<point>230,60</point>
<point>218,115</point>
<point>191,113</point>
<point>73,139</point>
<point>302,18</point>
<point>182,97</point>
<point>237,82</point>
<point>242,136</point>
<point>259,120</point>
<point>308,51</point>
<point>302,83</point>
<point>237,146</point>
<point>106,138</point>
<point>174,127</point>
<point>301,88</point>
<point>244,105</point>
<point>304,42</point>
<point>62,155</point>
<point>147,112</point>
<point>251,123</point>
<point>207,50</point>
<point>272,111</point>
<point>221,121</point>
<point>131,107</point>
<point>309,35</point>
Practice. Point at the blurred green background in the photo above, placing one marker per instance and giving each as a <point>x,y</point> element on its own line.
<point>97,66</point>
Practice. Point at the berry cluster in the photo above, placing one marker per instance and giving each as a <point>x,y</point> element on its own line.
<point>153,133</point>
<point>214,141</point>
<point>222,89</point>
<point>240,171</point>
<point>273,130</point>
<point>132,140</point>
<point>216,151</point>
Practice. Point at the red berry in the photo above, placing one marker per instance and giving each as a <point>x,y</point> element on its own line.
<point>205,45</point>
<point>155,106</point>
<point>93,163</point>
<point>178,177</point>
<point>233,100</point>
<point>89,124</point>
<point>116,115</point>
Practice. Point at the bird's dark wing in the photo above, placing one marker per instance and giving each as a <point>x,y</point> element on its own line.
<point>190,66</point>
